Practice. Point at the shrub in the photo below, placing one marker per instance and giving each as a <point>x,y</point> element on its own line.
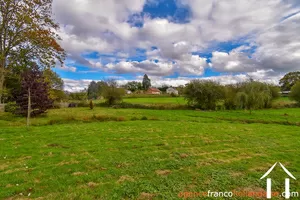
<point>10,107</point>
<point>173,95</point>
<point>254,95</point>
<point>112,94</point>
<point>91,105</point>
<point>203,94</point>
<point>134,119</point>
<point>144,118</point>
<point>230,92</point>
<point>82,104</point>
<point>295,92</point>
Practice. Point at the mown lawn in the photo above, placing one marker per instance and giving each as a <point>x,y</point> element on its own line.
<point>168,152</point>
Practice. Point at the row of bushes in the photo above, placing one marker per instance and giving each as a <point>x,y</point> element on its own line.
<point>207,95</point>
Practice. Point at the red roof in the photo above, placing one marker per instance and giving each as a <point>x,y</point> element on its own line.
<point>150,90</point>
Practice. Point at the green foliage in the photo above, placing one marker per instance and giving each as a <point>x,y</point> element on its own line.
<point>112,94</point>
<point>28,33</point>
<point>134,86</point>
<point>10,107</point>
<point>275,91</point>
<point>163,88</point>
<point>95,90</point>
<point>230,92</point>
<point>80,96</point>
<point>254,95</point>
<point>144,118</point>
<point>146,82</point>
<point>91,105</point>
<point>295,92</point>
<point>203,94</point>
<point>289,80</point>
<point>53,79</point>
<point>173,95</point>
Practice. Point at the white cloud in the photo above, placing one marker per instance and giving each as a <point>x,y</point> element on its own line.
<point>101,26</point>
<point>67,68</point>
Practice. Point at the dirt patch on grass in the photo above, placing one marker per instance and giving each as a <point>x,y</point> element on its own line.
<point>78,173</point>
<point>146,196</point>
<point>184,155</point>
<point>125,178</point>
<point>67,162</point>
<point>92,184</point>
<point>163,172</point>
<point>3,166</point>
<point>236,174</point>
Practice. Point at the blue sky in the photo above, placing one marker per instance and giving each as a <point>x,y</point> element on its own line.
<point>174,41</point>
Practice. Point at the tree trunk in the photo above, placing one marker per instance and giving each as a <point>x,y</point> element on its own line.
<point>29,108</point>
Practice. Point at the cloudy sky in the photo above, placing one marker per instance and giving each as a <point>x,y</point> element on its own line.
<point>174,41</point>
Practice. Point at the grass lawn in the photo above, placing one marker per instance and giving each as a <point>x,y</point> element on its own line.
<point>125,157</point>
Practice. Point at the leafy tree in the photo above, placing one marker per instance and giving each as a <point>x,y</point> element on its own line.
<point>163,88</point>
<point>93,90</point>
<point>56,85</point>
<point>53,79</point>
<point>230,92</point>
<point>33,98</point>
<point>146,82</point>
<point>133,86</point>
<point>203,94</point>
<point>112,94</point>
<point>295,92</point>
<point>27,33</point>
<point>289,80</point>
<point>254,95</point>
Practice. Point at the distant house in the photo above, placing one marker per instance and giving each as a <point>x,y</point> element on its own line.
<point>128,92</point>
<point>172,91</point>
<point>285,93</point>
<point>153,91</point>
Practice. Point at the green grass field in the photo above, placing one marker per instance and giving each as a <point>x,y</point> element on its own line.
<point>110,153</point>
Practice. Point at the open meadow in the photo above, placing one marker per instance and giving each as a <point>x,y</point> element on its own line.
<point>107,153</point>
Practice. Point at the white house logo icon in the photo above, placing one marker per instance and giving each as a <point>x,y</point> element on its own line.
<point>287,181</point>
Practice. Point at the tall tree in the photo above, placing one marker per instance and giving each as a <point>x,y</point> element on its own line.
<point>27,32</point>
<point>146,82</point>
<point>93,90</point>
<point>289,80</point>
<point>33,98</point>
<point>133,86</point>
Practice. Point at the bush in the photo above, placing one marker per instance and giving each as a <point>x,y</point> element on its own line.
<point>254,95</point>
<point>10,107</point>
<point>82,104</point>
<point>144,118</point>
<point>230,92</point>
<point>112,94</point>
<point>295,92</point>
<point>173,95</point>
<point>203,94</point>
<point>91,105</point>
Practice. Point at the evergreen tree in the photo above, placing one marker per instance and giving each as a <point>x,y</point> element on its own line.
<point>146,82</point>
